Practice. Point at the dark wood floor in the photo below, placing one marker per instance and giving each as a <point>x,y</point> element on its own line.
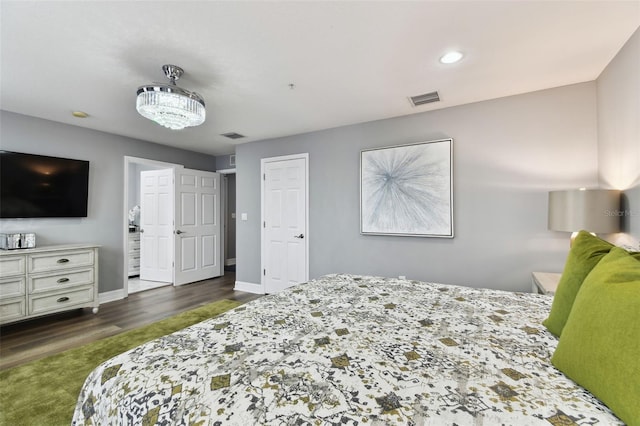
<point>30,340</point>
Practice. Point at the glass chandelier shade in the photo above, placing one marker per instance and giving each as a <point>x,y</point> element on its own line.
<point>170,105</point>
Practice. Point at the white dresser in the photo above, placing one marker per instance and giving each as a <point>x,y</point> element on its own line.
<point>134,253</point>
<point>48,279</point>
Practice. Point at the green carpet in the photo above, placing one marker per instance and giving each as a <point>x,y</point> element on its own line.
<point>44,392</point>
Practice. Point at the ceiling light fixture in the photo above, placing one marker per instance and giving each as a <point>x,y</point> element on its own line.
<point>451,57</point>
<point>170,105</point>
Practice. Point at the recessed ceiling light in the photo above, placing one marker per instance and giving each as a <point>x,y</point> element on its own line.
<point>451,57</point>
<point>80,114</point>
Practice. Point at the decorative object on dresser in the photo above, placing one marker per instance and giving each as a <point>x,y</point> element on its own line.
<point>134,253</point>
<point>49,279</point>
<point>134,216</point>
<point>17,241</point>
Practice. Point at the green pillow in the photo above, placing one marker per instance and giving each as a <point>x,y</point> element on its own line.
<point>600,344</point>
<point>585,253</point>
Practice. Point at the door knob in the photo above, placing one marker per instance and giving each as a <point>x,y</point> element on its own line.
<point>179,232</point>
<point>141,231</point>
<point>299,236</point>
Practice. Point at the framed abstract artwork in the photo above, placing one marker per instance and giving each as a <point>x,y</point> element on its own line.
<point>407,190</point>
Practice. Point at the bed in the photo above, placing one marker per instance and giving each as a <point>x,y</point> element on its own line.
<point>350,350</point>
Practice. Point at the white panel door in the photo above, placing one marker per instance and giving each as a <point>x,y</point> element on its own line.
<point>156,225</point>
<point>198,228</point>
<point>285,243</point>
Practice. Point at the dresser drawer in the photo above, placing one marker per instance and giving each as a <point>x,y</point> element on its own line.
<point>12,287</point>
<point>60,300</point>
<point>12,265</point>
<point>60,260</point>
<point>62,279</point>
<point>12,309</point>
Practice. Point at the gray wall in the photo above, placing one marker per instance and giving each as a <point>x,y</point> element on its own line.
<point>508,153</point>
<point>223,162</point>
<point>618,89</point>
<point>105,153</point>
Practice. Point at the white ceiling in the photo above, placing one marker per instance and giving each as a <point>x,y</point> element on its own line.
<point>350,62</point>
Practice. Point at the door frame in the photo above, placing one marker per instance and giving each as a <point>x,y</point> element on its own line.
<point>263,245</point>
<point>125,210</point>
<point>224,207</point>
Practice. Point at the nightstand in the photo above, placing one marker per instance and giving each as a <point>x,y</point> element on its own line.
<point>545,282</point>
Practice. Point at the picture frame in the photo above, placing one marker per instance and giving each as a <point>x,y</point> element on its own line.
<point>407,190</point>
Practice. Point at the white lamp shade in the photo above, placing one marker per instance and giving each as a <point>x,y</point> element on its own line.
<point>594,210</point>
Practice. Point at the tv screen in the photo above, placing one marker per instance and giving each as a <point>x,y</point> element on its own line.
<point>34,186</point>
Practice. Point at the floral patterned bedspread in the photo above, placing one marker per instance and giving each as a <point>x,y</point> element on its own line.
<point>349,350</point>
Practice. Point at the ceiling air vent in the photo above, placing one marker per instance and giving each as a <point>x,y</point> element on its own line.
<point>233,135</point>
<point>427,98</point>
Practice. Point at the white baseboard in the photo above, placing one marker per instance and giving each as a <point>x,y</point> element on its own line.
<point>111,296</point>
<point>230,262</point>
<point>249,287</point>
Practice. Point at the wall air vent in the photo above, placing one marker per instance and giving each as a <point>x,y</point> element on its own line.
<point>233,135</point>
<point>427,98</point>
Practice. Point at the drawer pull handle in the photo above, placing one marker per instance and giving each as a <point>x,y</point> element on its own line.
<point>63,299</point>
<point>63,260</point>
<point>63,280</point>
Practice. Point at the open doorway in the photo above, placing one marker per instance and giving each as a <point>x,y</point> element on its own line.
<point>189,209</point>
<point>134,167</point>
<point>229,219</point>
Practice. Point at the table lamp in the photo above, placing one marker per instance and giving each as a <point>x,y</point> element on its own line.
<point>594,210</point>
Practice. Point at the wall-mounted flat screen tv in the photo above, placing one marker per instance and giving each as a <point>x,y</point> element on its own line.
<point>34,186</point>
